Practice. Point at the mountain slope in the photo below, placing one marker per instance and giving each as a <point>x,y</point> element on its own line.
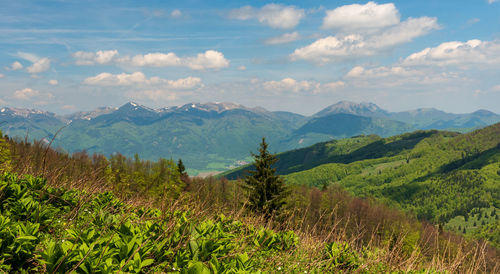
<point>443,177</point>
<point>422,118</point>
<point>216,136</point>
<point>18,122</point>
<point>206,137</point>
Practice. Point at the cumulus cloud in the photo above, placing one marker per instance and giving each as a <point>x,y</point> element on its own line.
<point>26,93</point>
<point>336,48</point>
<point>2,75</point>
<point>155,60</point>
<point>39,64</point>
<point>15,66</point>
<point>210,59</point>
<point>139,79</point>
<point>274,15</point>
<point>361,17</point>
<point>492,1</point>
<point>123,79</point>
<point>283,39</point>
<point>242,68</point>
<point>91,58</point>
<point>457,53</point>
<point>53,82</point>
<point>294,86</point>
<point>397,75</point>
<point>176,13</point>
<point>360,71</point>
<point>290,84</point>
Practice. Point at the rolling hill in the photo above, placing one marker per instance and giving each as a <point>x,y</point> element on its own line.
<point>441,176</point>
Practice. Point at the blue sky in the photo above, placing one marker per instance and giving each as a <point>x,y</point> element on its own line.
<point>65,56</point>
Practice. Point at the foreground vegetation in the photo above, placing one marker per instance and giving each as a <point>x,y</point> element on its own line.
<point>90,214</point>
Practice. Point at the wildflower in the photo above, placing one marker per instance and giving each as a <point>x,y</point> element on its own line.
<point>279,267</point>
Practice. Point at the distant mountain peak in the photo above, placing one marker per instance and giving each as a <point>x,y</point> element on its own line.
<point>133,106</point>
<point>211,106</point>
<point>484,112</point>
<point>24,112</point>
<point>348,107</point>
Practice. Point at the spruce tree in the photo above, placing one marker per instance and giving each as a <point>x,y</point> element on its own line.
<point>181,167</point>
<point>266,190</point>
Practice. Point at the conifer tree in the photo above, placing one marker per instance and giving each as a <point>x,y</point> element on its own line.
<point>267,191</point>
<point>181,167</point>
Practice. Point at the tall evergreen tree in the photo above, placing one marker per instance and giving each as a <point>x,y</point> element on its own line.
<point>267,191</point>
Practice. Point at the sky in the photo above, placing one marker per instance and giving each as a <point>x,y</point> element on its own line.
<point>300,56</point>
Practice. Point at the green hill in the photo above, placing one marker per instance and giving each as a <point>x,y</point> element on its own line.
<point>440,176</point>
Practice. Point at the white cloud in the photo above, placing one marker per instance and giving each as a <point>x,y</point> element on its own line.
<point>292,85</point>
<point>39,64</point>
<point>360,71</point>
<point>156,60</point>
<point>328,87</point>
<point>336,48</point>
<point>176,13</point>
<point>28,56</point>
<point>361,17</point>
<point>473,21</point>
<point>15,66</point>
<point>332,48</point>
<point>492,1</point>
<point>139,79</point>
<point>404,32</point>
<point>182,83</point>
<point>274,15</point>
<point>496,88</point>
<point>397,75</point>
<point>284,38</point>
<point>123,79</point>
<point>210,59</point>
<point>26,94</point>
<point>457,53</point>
<point>2,75</point>
<point>91,58</point>
<point>53,82</point>
<point>242,68</point>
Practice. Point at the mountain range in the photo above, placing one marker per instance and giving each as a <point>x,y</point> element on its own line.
<point>217,136</point>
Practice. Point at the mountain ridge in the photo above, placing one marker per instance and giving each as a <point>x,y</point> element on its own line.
<point>215,136</point>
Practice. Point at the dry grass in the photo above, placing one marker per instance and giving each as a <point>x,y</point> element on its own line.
<point>318,217</point>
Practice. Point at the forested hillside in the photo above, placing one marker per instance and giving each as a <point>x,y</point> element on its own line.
<point>442,177</point>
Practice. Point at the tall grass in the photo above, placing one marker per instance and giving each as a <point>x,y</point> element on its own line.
<point>384,236</point>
